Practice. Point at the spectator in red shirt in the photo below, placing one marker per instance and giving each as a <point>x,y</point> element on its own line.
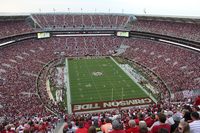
<point>197,101</point>
<point>133,128</point>
<point>162,130</point>
<point>87,124</point>
<point>162,119</point>
<point>140,117</point>
<point>81,128</point>
<point>149,121</point>
<point>9,130</point>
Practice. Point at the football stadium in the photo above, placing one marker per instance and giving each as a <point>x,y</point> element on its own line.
<point>88,72</point>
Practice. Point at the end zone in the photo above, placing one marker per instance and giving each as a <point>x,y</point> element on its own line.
<point>111,104</point>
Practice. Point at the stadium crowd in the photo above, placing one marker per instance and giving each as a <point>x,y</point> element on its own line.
<point>189,31</point>
<point>181,65</point>
<point>160,118</point>
<point>157,118</point>
<point>31,124</point>
<point>15,27</point>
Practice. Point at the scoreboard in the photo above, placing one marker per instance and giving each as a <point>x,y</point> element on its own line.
<point>123,33</point>
<point>43,35</point>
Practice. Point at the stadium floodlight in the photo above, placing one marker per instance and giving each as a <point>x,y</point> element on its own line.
<point>145,11</point>
<point>122,11</point>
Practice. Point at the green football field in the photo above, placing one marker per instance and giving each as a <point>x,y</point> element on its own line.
<point>96,80</point>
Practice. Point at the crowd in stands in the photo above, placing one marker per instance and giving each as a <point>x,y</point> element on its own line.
<point>80,20</point>
<point>19,69</point>
<point>155,118</point>
<point>189,31</point>
<point>159,89</point>
<point>178,67</point>
<point>160,118</point>
<point>31,124</point>
<point>14,27</point>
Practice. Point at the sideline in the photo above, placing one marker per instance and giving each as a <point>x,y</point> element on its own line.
<point>67,86</point>
<point>128,74</point>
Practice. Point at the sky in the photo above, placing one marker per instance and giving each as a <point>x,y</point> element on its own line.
<point>148,7</point>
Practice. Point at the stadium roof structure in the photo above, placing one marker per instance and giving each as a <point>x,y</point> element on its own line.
<point>182,19</point>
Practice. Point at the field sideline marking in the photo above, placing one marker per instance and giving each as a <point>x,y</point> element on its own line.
<point>113,87</point>
<point>67,85</point>
<point>129,75</point>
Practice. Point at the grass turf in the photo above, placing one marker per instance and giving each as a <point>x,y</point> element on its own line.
<point>86,87</point>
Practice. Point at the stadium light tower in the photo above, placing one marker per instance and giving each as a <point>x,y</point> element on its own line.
<point>81,10</point>
<point>40,10</point>
<point>145,11</point>
<point>54,11</point>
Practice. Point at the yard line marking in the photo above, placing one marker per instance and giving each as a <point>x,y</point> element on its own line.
<point>113,87</point>
<point>93,81</point>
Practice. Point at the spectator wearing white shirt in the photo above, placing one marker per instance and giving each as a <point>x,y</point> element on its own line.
<point>170,119</point>
<point>195,125</point>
